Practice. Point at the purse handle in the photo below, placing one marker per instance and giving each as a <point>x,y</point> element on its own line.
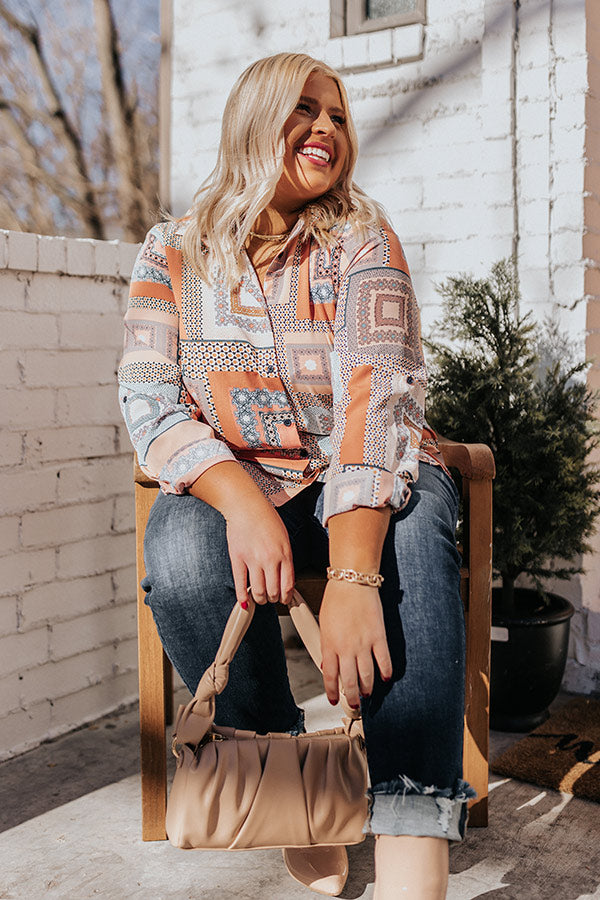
<point>195,719</point>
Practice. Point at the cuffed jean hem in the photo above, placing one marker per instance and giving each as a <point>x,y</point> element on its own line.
<point>410,808</point>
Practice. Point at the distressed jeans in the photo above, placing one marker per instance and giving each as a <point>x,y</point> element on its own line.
<point>413,723</point>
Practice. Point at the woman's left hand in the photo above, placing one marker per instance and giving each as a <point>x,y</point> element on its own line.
<point>352,634</point>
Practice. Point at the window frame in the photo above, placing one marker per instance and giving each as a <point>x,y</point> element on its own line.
<point>350,17</point>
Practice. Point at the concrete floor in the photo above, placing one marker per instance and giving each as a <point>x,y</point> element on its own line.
<point>69,817</point>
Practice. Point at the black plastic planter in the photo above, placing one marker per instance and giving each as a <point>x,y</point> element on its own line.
<point>529,654</point>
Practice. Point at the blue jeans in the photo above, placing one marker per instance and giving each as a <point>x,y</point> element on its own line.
<point>414,723</point>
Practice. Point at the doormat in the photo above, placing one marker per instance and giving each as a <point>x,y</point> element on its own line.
<point>563,753</point>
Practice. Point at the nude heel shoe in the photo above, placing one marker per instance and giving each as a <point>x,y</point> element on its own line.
<point>322,869</point>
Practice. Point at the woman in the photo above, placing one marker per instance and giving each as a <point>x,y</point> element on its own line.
<point>273,382</point>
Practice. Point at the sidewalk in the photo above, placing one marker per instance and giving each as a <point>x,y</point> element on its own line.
<point>70,811</point>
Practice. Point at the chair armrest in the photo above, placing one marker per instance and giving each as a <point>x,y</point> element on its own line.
<point>474,461</point>
<point>140,477</point>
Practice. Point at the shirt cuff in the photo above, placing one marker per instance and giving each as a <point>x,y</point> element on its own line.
<point>189,462</point>
<point>362,486</point>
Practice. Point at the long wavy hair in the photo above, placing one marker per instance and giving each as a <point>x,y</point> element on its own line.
<point>250,163</point>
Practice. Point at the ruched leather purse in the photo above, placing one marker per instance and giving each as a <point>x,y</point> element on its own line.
<point>238,790</point>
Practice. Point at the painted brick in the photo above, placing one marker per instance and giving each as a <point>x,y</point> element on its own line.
<point>566,247</point>
<point>35,329</point>
<point>10,368</point>
<point>379,47</point>
<point>106,257</point>
<point>94,630</point>
<point>126,655</point>
<point>24,729</point>
<point>123,514</point>
<point>533,216</point>
<point>80,330</point>
<point>567,212</point>
<point>95,555</point>
<point>9,534</point>
<point>355,51</point>
<point>22,251</point>
<point>127,257</point>
<point>22,651</point>
<point>333,53</point>
<point>568,177</point>
<point>3,248</point>
<point>125,583</point>
<point>568,283</point>
<point>52,254</point>
<point>571,77</point>
<point>8,619</point>
<point>59,600</point>
<point>98,700</point>
<point>77,406</point>
<point>22,409</point>
<point>533,183</point>
<point>26,568</point>
<point>49,293</point>
<point>10,693</point>
<point>11,448</point>
<point>13,291</point>
<point>69,368</point>
<point>57,679</point>
<point>88,481</point>
<point>23,490</point>
<point>71,443</point>
<point>80,256</point>
<point>53,527</point>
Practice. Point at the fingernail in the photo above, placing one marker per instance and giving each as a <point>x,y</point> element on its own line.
<point>244,604</point>
<point>389,678</point>
<point>365,696</point>
<point>352,706</point>
<point>333,702</point>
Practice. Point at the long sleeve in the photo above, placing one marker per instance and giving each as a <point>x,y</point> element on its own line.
<point>379,380</point>
<point>172,443</point>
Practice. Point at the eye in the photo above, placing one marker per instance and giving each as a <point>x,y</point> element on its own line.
<point>303,106</point>
<point>339,120</point>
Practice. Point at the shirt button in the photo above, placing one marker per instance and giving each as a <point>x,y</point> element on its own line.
<point>303,453</point>
<point>410,380</point>
<point>287,422</point>
<point>270,369</point>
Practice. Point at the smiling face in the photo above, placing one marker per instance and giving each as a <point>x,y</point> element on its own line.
<point>316,145</point>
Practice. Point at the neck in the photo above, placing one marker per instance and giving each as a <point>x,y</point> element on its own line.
<point>273,221</point>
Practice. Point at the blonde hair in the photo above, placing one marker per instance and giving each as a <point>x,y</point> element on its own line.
<point>250,163</point>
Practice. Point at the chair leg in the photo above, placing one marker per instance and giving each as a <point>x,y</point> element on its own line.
<point>152,696</point>
<point>476,742</point>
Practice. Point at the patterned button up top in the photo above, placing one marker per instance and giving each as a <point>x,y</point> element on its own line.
<point>319,377</point>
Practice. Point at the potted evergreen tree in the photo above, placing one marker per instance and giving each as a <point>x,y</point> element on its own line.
<point>497,384</point>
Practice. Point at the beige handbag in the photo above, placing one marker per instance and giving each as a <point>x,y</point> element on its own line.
<point>238,790</point>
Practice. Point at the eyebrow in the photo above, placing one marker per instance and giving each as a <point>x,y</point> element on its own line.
<point>333,109</point>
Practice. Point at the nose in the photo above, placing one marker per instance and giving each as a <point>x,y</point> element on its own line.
<point>323,124</point>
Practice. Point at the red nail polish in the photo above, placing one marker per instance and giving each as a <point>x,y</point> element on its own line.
<point>244,604</point>
<point>352,706</point>
<point>333,702</point>
<point>389,678</point>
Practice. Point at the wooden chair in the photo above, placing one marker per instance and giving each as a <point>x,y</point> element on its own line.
<point>475,464</point>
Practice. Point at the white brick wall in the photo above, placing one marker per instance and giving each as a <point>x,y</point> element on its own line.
<point>67,592</point>
<point>433,110</point>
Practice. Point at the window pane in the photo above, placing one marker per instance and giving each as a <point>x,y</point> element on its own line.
<point>376,9</point>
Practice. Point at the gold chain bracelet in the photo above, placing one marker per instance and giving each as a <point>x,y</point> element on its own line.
<point>369,579</point>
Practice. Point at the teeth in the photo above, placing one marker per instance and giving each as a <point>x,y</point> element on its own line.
<point>316,151</point>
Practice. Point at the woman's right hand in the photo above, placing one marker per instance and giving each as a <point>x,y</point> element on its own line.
<point>257,539</point>
<point>261,556</point>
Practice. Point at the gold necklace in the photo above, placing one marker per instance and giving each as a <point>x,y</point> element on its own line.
<point>278,238</point>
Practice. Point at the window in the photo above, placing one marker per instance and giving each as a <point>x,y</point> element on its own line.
<point>358,16</point>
